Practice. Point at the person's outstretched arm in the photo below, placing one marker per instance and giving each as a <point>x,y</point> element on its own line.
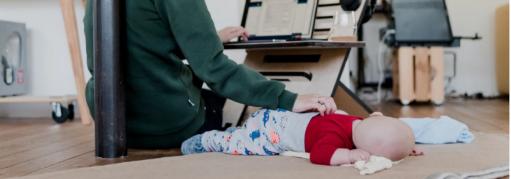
<point>192,27</point>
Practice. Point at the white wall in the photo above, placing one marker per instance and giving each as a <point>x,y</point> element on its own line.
<point>372,39</point>
<point>227,13</point>
<point>476,59</point>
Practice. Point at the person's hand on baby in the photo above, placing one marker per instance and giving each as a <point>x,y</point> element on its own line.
<point>229,33</point>
<point>322,104</point>
<point>358,155</point>
<point>341,112</point>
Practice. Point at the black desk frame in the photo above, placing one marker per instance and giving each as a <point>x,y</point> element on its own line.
<point>109,103</point>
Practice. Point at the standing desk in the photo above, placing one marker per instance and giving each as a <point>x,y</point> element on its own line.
<point>305,67</point>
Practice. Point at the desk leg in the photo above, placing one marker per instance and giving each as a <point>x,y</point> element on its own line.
<point>349,102</point>
<point>109,89</point>
<point>68,12</point>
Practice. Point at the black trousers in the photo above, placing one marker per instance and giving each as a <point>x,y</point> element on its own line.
<point>214,104</point>
<point>214,107</point>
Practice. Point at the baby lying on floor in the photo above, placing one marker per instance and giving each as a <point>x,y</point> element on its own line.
<point>334,139</point>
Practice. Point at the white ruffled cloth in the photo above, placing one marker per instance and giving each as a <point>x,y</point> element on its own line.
<point>442,130</point>
<point>373,165</point>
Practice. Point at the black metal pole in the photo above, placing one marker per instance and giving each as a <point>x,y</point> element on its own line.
<point>109,91</point>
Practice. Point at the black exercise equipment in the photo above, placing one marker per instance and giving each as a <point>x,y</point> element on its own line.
<point>369,11</point>
<point>350,5</point>
<point>422,23</point>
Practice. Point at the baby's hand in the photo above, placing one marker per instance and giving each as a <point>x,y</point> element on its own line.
<point>358,154</point>
<point>416,152</point>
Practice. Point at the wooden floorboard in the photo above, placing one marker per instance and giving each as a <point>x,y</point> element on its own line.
<point>35,146</point>
<point>479,115</point>
<point>27,151</point>
<point>23,143</point>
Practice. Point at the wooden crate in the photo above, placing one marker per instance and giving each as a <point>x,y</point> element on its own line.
<point>419,75</point>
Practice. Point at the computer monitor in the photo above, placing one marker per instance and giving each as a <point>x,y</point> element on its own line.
<point>422,22</point>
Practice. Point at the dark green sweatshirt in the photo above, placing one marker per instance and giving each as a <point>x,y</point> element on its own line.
<point>163,106</point>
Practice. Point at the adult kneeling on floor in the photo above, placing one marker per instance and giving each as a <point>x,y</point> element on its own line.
<point>164,102</point>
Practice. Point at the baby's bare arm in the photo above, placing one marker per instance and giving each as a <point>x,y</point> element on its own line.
<point>346,156</point>
<point>340,157</point>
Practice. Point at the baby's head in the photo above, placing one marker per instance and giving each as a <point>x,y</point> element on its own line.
<point>384,136</point>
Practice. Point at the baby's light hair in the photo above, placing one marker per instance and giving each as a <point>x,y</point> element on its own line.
<point>384,136</point>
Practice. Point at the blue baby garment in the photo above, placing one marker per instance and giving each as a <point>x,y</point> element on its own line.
<point>443,130</point>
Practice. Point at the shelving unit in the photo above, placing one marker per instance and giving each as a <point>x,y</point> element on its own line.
<point>59,111</point>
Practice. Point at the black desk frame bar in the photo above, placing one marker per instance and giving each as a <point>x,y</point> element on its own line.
<point>109,90</point>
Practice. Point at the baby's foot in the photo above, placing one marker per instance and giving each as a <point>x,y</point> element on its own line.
<point>192,145</point>
<point>230,129</point>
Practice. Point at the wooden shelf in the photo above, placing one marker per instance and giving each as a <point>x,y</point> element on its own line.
<point>305,44</point>
<point>37,99</point>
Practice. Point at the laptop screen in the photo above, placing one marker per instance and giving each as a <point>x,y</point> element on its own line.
<point>279,19</point>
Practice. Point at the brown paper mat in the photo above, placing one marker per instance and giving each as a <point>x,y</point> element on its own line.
<point>488,150</point>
